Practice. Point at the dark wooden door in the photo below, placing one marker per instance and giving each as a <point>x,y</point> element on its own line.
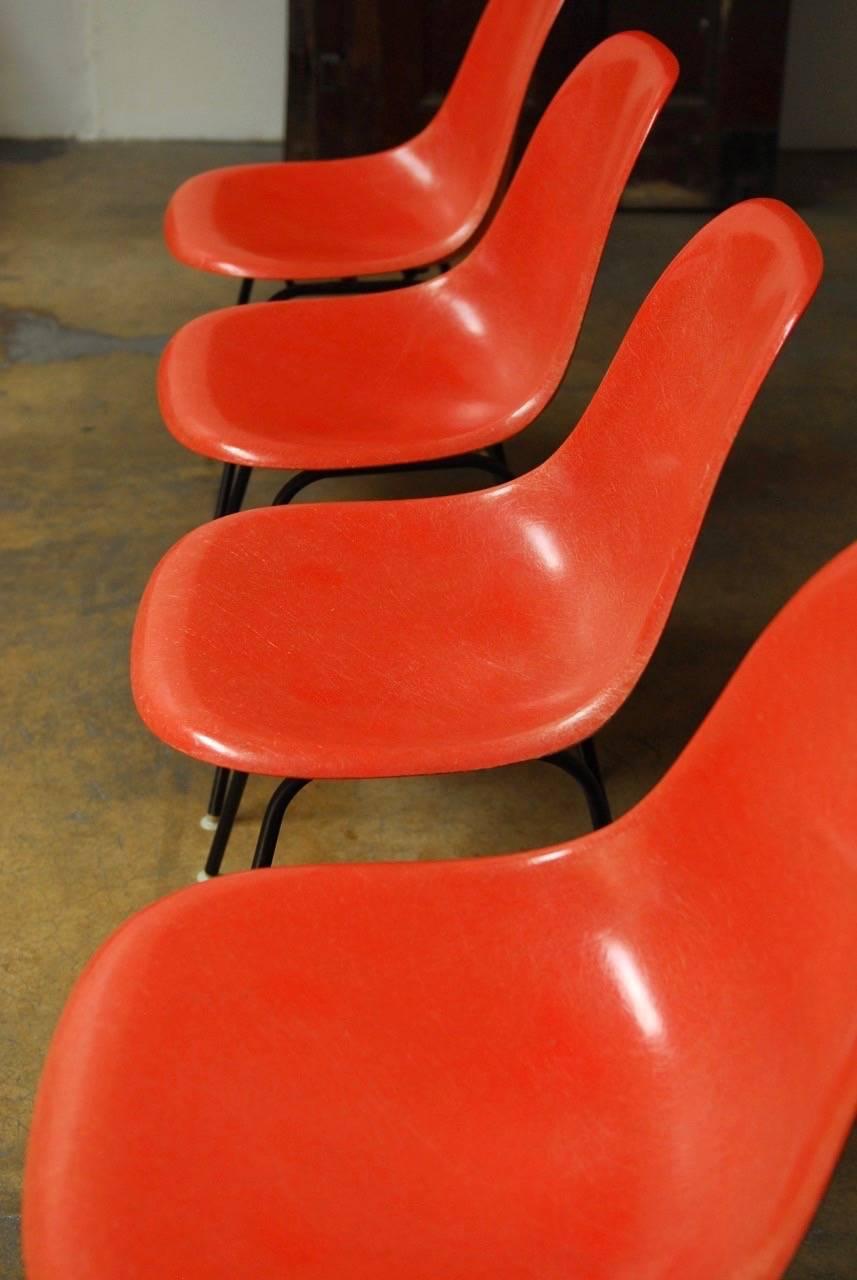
<point>367,74</point>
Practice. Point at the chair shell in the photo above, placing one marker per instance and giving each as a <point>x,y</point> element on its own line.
<point>457,363</point>
<point>406,207</point>
<point>631,1057</point>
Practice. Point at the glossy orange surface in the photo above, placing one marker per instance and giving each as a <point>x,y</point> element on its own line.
<point>381,638</point>
<point>629,1058</point>
<point>388,211</point>
<point>459,362</point>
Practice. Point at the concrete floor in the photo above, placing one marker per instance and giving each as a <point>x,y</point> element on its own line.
<point>99,818</point>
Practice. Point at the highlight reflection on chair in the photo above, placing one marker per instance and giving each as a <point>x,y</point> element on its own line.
<point>633,1055</point>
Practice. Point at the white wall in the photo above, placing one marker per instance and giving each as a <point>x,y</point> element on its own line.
<point>142,68</point>
<point>820,91</point>
<point>44,68</point>
<point>216,69</point>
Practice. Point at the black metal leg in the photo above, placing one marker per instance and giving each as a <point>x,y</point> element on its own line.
<point>218,792</point>
<point>478,461</point>
<point>220,840</point>
<point>293,487</point>
<point>227,476</point>
<point>346,285</point>
<point>589,753</point>
<point>233,486</point>
<point>498,453</point>
<point>289,290</point>
<point>269,832</point>
<point>596,796</point>
<point>245,291</point>
<point>230,495</point>
<point>239,488</point>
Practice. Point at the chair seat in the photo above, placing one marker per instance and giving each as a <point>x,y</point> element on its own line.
<point>536,1067</point>
<point>356,381</point>
<point>314,220</point>
<point>386,211</point>
<point>380,639</point>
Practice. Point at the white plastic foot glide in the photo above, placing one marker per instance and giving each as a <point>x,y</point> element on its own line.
<point>208,822</point>
<point>202,876</point>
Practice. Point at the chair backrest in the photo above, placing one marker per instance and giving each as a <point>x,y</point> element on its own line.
<point>769,781</point>
<point>459,156</point>
<point>626,493</point>
<point>535,266</point>
<point>725,912</point>
<point>695,1011</point>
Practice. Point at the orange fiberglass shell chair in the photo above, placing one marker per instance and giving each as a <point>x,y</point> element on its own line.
<point>450,367</point>
<point>395,210</point>
<point>631,1056</point>
<point>373,639</point>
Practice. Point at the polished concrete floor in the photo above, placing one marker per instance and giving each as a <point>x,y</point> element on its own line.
<point>98,818</point>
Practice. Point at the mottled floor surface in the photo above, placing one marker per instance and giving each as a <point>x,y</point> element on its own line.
<point>98,818</point>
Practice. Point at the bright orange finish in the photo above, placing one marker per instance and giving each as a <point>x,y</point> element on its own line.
<point>380,638</point>
<point>629,1058</point>
<point>406,207</point>
<point>457,363</point>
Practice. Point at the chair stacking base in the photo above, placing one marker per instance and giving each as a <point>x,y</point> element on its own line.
<point>580,762</point>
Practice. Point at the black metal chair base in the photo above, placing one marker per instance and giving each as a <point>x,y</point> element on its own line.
<point>233,784</point>
<point>269,832</point>
<point>348,285</point>
<point>231,803</point>
<point>232,490</point>
<point>584,768</point>
<point>493,463</point>
<point>580,762</point>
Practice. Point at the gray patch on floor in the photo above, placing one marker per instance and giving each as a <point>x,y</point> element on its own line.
<point>30,337</point>
<point>11,1267</point>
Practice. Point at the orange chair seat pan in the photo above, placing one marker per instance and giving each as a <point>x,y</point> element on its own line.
<point>463,632</point>
<point>406,207</point>
<point>631,1056</point>
<point>457,363</point>
<point>375,639</point>
<point>351,382</point>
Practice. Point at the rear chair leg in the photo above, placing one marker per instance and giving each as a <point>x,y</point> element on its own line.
<point>215,800</point>
<point>273,820</point>
<point>231,804</point>
<point>590,759</point>
<point>230,495</point>
<point>593,788</point>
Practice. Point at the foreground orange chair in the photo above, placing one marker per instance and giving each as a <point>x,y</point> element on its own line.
<point>394,210</point>
<point>374,639</point>
<point>632,1056</point>
<point>448,368</point>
